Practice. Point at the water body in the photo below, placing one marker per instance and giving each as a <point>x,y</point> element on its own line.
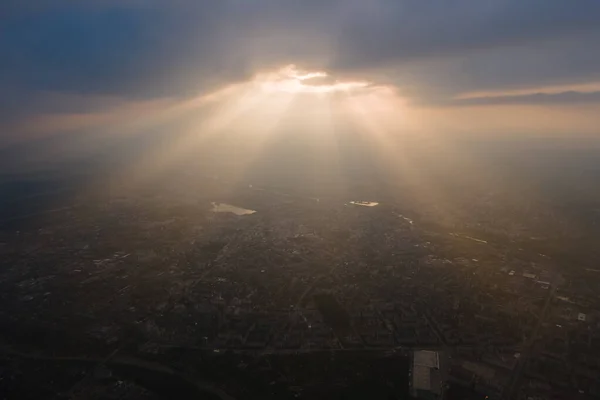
<point>564,298</point>
<point>228,208</point>
<point>469,237</point>
<point>475,239</point>
<point>365,203</point>
<point>410,221</point>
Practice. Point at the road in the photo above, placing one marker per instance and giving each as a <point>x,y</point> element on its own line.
<point>515,379</point>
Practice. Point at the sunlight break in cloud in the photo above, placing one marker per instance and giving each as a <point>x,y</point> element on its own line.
<point>290,79</point>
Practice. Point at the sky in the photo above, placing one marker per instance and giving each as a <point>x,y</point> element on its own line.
<point>485,67</point>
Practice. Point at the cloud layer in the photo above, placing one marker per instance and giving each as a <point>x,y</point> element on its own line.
<point>433,51</point>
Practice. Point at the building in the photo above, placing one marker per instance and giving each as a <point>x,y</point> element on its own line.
<point>426,381</point>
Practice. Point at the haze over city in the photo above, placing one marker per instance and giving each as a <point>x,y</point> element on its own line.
<point>272,187</point>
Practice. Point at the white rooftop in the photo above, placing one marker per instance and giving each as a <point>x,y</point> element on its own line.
<point>421,378</point>
<point>426,358</point>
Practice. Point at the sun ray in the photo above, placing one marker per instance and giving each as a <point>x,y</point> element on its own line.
<point>395,154</point>
<point>235,127</point>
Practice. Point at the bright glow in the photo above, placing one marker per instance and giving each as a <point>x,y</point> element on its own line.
<point>292,80</point>
<point>313,103</point>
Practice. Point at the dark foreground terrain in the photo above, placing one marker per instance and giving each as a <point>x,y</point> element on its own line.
<point>143,290</point>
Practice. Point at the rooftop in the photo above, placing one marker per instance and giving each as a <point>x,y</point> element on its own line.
<point>421,378</point>
<point>426,358</point>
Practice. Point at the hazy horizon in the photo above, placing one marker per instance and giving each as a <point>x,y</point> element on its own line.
<point>113,68</point>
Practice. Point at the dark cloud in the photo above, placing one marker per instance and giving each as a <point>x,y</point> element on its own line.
<point>412,30</point>
<point>563,98</point>
<point>146,51</point>
<point>567,61</point>
<point>431,49</point>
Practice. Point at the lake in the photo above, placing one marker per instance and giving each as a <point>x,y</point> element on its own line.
<point>228,208</point>
<point>364,203</point>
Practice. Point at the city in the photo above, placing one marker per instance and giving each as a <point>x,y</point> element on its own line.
<point>285,199</point>
<point>181,276</point>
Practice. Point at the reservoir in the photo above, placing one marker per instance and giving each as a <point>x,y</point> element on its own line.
<point>228,208</point>
<point>364,203</point>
